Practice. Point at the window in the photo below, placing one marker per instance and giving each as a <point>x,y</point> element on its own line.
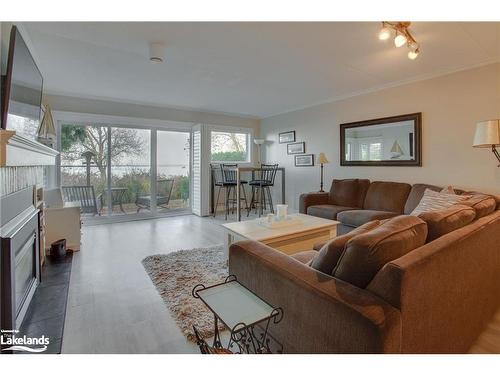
<point>371,150</point>
<point>348,151</point>
<point>229,146</point>
<point>376,151</point>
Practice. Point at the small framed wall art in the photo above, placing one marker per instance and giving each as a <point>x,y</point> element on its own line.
<point>287,137</point>
<point>304,160</point>
<point>296,148</point>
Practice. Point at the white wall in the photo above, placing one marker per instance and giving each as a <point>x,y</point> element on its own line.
<point>450,105</point>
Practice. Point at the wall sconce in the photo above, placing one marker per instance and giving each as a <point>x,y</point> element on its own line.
<point>488,136</point>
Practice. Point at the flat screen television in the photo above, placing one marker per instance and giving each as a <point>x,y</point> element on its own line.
<point>21,89</point>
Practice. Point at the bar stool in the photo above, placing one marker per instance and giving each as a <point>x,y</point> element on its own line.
<point>261,186</point>
<point>225,178</point>
<point>229,177</point>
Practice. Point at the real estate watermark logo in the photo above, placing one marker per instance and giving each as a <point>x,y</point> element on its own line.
<point>10,342</point>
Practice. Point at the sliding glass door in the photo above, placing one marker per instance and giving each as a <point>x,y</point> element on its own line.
<point>123,171</point>
<point>130,169</point>
<point>84,166</point>
<point>172,170</point>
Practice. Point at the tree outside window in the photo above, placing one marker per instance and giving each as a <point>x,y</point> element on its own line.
<point>228,146</point>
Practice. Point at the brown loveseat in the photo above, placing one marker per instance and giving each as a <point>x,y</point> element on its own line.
<point>436,298</point>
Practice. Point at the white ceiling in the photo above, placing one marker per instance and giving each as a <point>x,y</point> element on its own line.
<point>254,69</point>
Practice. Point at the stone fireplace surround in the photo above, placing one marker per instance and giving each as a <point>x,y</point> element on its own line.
<point>13,179</point>
<point>24,164</point>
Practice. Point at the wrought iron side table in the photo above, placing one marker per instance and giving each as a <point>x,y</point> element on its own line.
<point>245,315</point>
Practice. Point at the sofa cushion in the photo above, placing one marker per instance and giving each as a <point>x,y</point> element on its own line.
<point>349,192</point>
<point>416,193</point>
<point>445,221</point>
<point>327,211</point>
<point>327,258</point>
<point>364,255</point>
<point>387,196</point>
<point>355,218</point>
<point>483,204</point>
<point>436,201</point>
<point>305,257</point>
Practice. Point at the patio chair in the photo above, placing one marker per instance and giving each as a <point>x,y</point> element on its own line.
<point>85,195</point>
<point>163,192</point>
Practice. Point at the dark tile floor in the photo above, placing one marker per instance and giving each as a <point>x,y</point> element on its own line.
<point>47,310</point>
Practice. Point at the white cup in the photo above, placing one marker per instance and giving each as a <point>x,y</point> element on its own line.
<point>282,209</point>
<point>270,218</point>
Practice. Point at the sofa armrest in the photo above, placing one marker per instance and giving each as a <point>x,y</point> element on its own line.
<point>321,314</point>
<point>311,199</point>
<point>455,277</point>
<point>319,245</point>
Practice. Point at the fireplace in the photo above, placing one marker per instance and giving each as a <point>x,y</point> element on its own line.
<point>19,258</point>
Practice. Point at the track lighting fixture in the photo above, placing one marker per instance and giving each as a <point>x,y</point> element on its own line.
<point>402,36</point>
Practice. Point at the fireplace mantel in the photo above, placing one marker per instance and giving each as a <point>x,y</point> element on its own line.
<point>17,151</point>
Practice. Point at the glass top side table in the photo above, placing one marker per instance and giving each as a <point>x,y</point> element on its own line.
<point>246,316</point>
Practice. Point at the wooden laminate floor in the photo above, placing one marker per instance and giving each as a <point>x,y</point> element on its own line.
<point>113,306</point>
<point>489,341</point>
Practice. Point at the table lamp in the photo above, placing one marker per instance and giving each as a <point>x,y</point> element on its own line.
<point>488,136</point>
<point>322,160</point>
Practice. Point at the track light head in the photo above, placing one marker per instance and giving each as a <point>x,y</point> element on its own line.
<point>384,34</point>
<point>399,40</point>
<point>412,55</point>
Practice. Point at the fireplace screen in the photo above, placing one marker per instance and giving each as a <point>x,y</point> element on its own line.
<point>19,265</point>
<point>25,271</point>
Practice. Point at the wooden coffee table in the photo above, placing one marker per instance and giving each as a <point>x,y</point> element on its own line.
<point>289,240</point>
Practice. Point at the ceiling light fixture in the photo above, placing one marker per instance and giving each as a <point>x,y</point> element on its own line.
<point>402,36</point>
<point>156,52</point>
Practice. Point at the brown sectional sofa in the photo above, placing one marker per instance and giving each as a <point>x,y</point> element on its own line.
<point>354,202</point>
<point>434,296</point>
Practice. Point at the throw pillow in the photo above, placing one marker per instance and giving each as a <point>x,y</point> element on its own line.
<point>327,258</point>
<point>435,201</point>
<point>445,221</point>
<point>365,254</point>
<point>448,190</point>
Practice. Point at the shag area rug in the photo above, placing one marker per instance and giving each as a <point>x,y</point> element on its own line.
<point>174,276</point>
